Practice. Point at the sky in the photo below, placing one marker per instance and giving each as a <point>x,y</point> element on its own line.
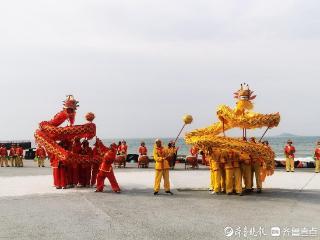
<point>141,65</point>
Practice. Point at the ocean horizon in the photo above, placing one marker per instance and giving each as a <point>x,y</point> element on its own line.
<point>305,145</point>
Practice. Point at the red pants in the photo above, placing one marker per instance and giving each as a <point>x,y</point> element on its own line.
<point>84,175</point>
<point>95,170</point>
<point>75,174</point>
<point>72,174</point>
<point>59,177</point>
<point>112,179</point>
<point>69,172</point>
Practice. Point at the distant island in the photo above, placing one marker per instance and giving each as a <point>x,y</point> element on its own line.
<point>287,135</point>
<point>290,135</point>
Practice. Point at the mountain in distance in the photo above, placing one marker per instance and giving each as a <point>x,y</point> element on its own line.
<point>287,135</point>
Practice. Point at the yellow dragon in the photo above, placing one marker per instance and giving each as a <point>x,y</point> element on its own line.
<point>210,138</point>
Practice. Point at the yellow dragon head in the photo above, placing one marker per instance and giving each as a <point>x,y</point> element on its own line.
<point>244,96</point>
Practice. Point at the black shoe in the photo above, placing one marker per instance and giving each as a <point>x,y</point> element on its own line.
<point>229,193</point>
<point>259,191</point>
<point>239,194</point>
<point>169,192</point>
<point>248,191</point>
<point>155,193</point>
<point>58,187</point>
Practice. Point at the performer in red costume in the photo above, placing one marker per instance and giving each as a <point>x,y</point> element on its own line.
<point>4,156</point>
<point>67,145</point>
<point>193,158</point>
<point>19,154</point>
<point>64,147</point>
<point>41,156</point>
<point>76,148</point>
<point>95,165</point>
<point>12,155</point>
<point>289,152</point>
<point>60,167</point>
<point>60,170</point>
<point>123,148</point>
<point>106,170</point>
<point>85,168</point>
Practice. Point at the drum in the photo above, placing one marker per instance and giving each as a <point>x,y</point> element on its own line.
<point>143,159</point>
<point>192,160</point>
<point>120,160</point>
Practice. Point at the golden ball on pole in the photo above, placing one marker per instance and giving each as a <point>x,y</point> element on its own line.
<point>187,119</point>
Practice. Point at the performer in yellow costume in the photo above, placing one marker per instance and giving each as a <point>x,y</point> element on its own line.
<point>215,157</point>
<point>162,166</point>
<point>246,171</point>
<point>256,165</point>
<point>211,167</point>
<point>237,174</point>
<point>317,157</point>
<point>227,176</point>
<point>242,116</point>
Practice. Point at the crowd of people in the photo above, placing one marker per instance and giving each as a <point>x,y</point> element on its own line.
<point>290,151</point>
<point>231,172</point>
<point>143,158</point>
<point>70,175</point>
<point>14,155</point>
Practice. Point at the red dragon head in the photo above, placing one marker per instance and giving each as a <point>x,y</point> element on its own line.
<point>70,105</point>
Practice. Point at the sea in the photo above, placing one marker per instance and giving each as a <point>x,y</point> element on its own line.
<point>305,146</point>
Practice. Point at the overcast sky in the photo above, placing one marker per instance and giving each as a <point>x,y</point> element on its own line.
<point>141,65</point>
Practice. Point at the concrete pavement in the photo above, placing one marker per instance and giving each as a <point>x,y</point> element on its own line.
<point>32,209</point>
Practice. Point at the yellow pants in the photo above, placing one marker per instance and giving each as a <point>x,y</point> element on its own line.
<point>229,180</point>
<point>237,179</point>
<point>223,180</point>
<point>317,166</point>
<point>211,180</point>
<point>217,180</point>
<point>4,161</point>
<point>246,173</point>
<point>290,164</point>
<point>19,162</point>
<point>13,161</point>
<point>255,170</point>
<point>40,162</point>
<point>158,177</point>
